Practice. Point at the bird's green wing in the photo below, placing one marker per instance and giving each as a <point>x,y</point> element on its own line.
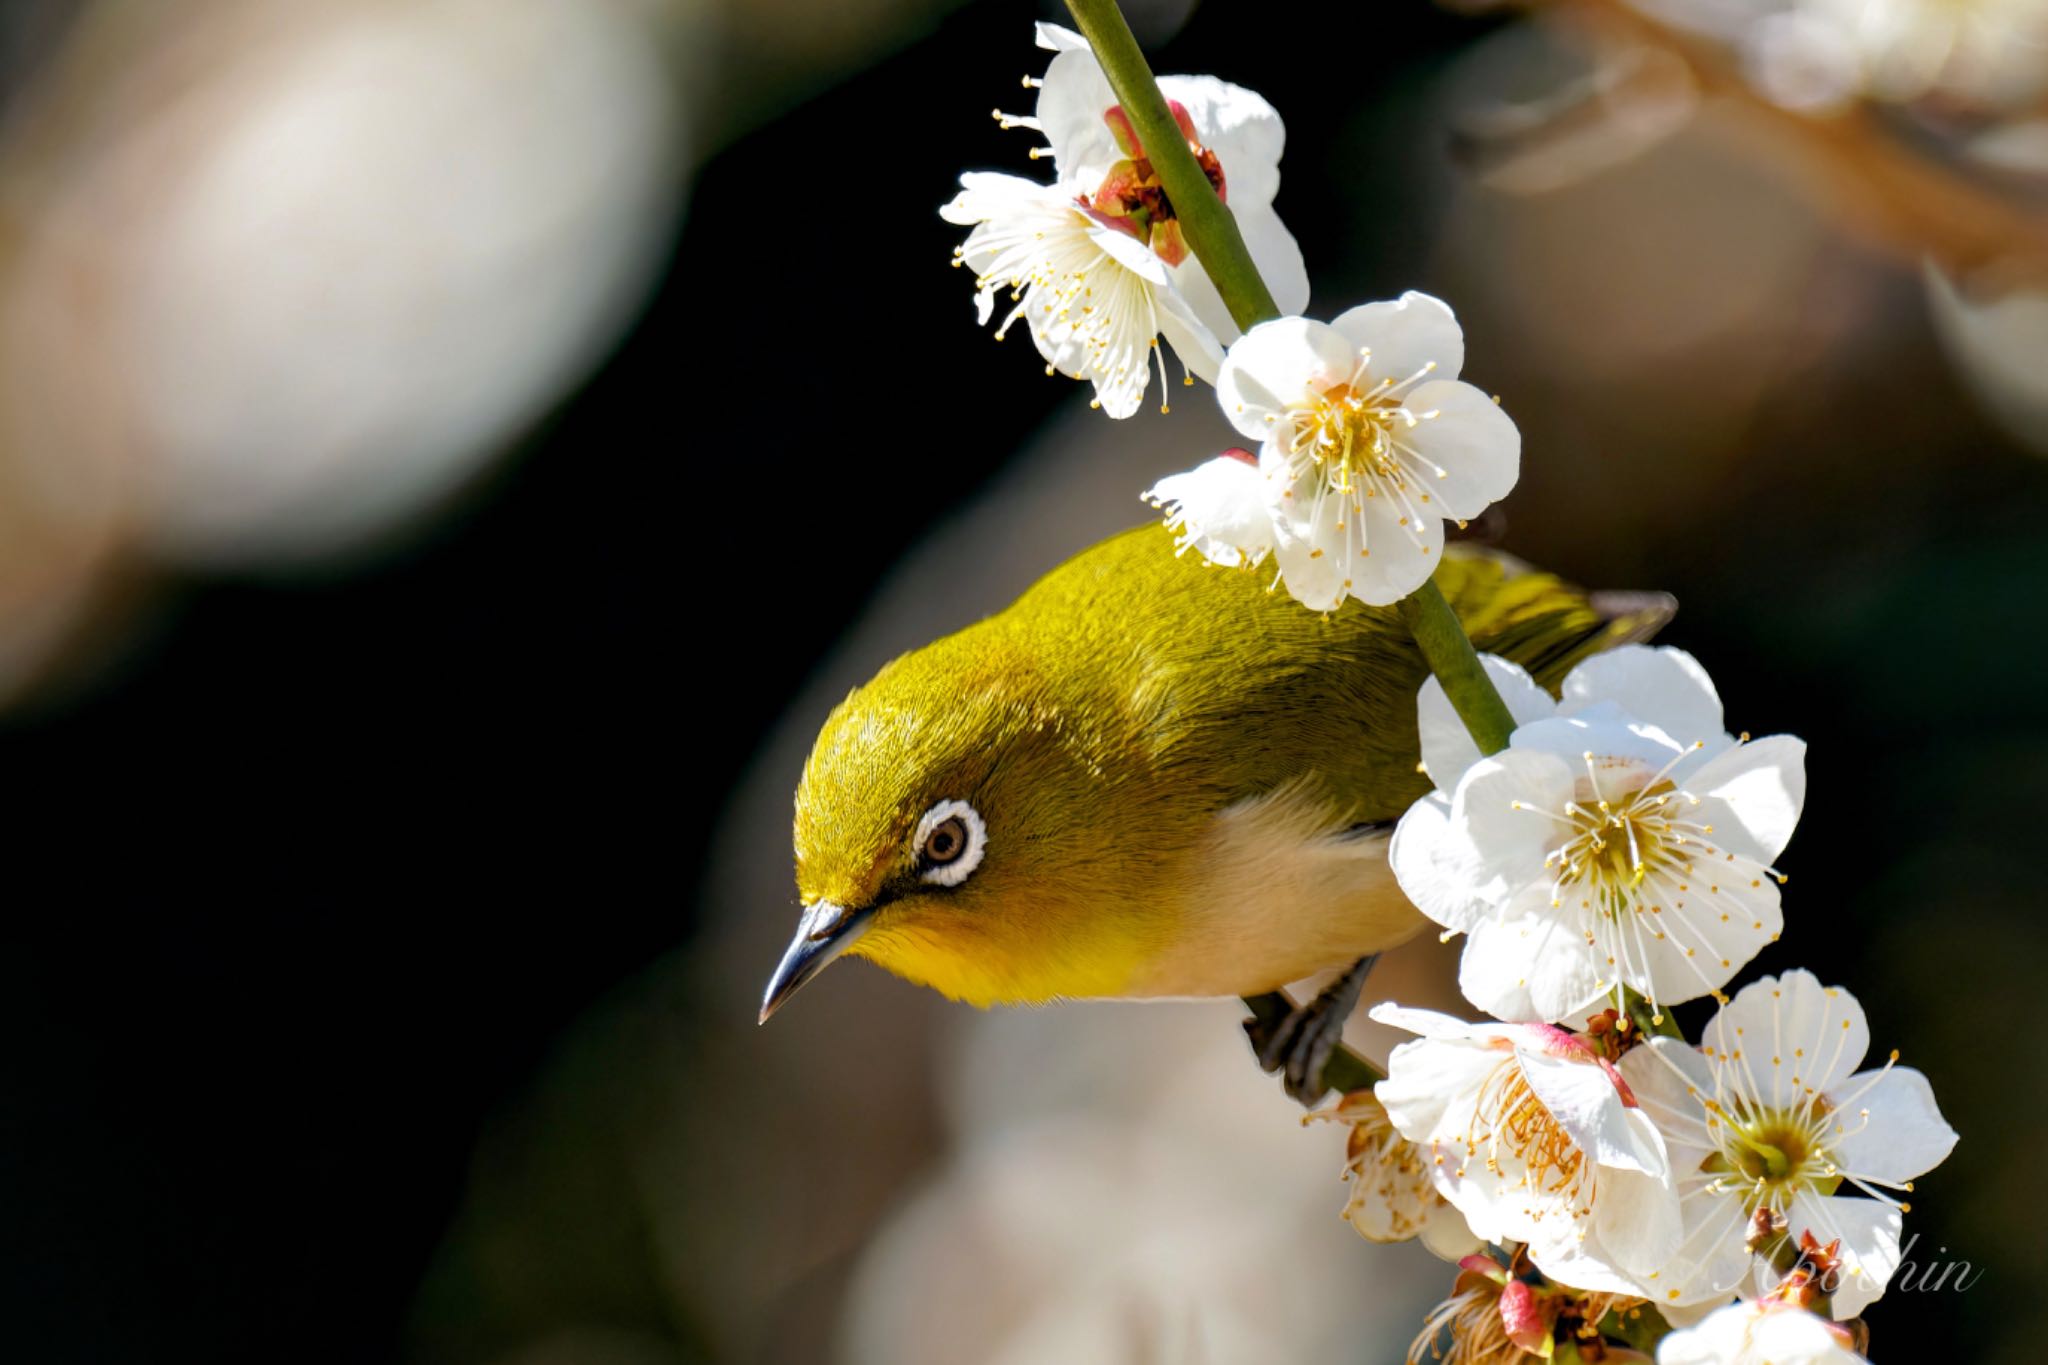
<point>1537,619</point>
<point>1232,690</point>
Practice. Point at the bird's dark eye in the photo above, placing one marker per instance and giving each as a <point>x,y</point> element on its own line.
<point>949,842</point>
<point>946,842</point>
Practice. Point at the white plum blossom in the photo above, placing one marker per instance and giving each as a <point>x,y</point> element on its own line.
<point>1218,509</point>
<point>1236,136</point>
<point>1984,53</point>
<point>1094,299</point>
<point>1367,443</point>
<point>1623,838</point>
<point>1534,1136</point>
<point>1770,1112</point>
<point>1094,262</point>
<point>1393,1197</point>
<point>1751,1333</point>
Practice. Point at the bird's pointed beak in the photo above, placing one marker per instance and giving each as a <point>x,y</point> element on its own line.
<point>826,931</point>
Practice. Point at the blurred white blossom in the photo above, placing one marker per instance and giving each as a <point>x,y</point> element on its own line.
<point>1758,1334</point>
<point>1814,55</point>
<point>1802,60</point>
<point>1991,53</point>
<point>1998,343</point>
<point>1120,1188</point>
<point>279,281</point>
<point>386,243</point>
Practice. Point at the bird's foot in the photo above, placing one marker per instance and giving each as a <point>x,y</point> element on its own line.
<point>1298,1040</point>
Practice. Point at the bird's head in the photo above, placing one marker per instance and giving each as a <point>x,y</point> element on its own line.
<point>970,825</point>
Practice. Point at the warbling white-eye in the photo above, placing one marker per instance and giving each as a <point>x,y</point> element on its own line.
<point>1146,777</point>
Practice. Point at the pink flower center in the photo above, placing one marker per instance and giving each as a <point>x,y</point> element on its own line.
<point>1130,198</point>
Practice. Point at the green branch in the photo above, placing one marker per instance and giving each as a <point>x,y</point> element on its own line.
<point>1212,234</point>
<point>1655,1022</point>
<point>1210,229</point>
<point>1448,650</point>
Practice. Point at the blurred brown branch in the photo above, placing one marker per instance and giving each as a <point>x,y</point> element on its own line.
<point>1896,198</point>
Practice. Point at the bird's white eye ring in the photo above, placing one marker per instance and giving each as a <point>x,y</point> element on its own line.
<point>949,843</point>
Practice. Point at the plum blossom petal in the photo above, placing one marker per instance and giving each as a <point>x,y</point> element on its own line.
<point>1666,687</point>
<point>1264,371</point>
<point>1217,509</point>
<point>1418,1101</point>
<point>1489,816</point>
<point>1582,1098</point>
<point>1427,861</point>
<point>1314,578</point>
<point>1073,95</point>
<point>1192,341</point>
<point>1411,333</point>
<point>1472,449</point>
<point>1524,965</point>
<point>1247,135</point>
<point>1621,739</point>
<point>1638,1223</point>
<point>1753,793</point>
<point>1818,1034</point>
<point>1900,1132</point>
<point>1058,38</point>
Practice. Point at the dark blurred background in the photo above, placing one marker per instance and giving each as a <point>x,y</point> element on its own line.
<point>453,455</point>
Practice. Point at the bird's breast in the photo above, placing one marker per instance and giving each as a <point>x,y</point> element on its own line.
<point>1280,886</point>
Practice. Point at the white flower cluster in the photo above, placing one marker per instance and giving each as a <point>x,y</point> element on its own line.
<point>1616,858</point>
<point>1365,442</point>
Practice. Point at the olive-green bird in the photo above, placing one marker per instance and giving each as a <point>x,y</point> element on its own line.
<point>1147,777</point>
